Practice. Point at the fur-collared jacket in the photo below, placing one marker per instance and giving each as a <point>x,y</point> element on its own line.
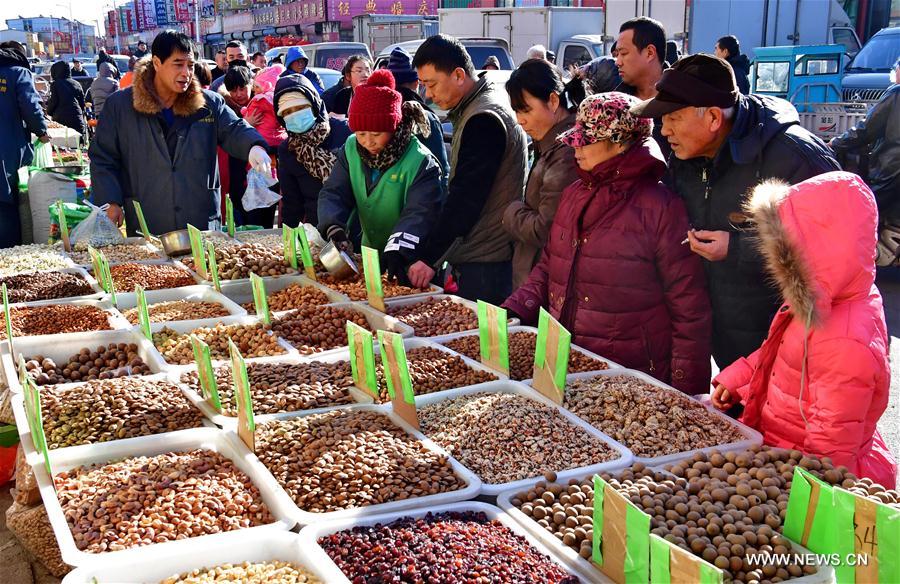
<point>171,169</point>
<point>817,240</point>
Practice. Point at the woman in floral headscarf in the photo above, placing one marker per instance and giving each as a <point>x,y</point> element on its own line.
<point>615,271</point>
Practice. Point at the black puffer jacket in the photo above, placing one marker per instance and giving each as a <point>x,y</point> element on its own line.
<point>766,142</point>
<point>66,104</point>
<point>741,67</point>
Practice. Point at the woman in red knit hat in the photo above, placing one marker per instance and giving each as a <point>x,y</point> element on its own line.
<point>385,176</point>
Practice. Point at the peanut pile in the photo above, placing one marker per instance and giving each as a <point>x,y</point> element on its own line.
<point>55,319</point>
<point>253,340</point>
<point>178,310</point>
<point>150,276</point>
<point>247,573</point>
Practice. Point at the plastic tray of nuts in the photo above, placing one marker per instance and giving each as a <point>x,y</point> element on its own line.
<point>240,291</point>
<point>511,387</point>
<point>115,320</point>
<point>96,294</point>
<point>61,347</point>
<point>232,548</point>
<point>197,293</point>
<point>473,483</point>
<point>409,301</point>
<point>209,439</point>
<point>151,252</point>
<point>128,296</point>
<point>311,534</point>
<point>750,436</point>
<point>444,339</point>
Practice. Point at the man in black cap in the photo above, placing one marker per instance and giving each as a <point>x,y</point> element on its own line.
<point>724,144</point>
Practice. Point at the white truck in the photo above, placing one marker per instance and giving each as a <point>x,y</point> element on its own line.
<point>378,31</point>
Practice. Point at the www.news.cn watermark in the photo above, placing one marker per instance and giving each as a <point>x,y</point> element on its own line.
<point>808,559</point>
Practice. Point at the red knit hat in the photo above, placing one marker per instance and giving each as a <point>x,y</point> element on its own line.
<point>375,106</point>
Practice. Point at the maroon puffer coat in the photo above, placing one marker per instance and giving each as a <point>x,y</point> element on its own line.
<point>615,274</point>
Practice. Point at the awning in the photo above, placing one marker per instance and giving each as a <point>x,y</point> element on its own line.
<point>215,38</point>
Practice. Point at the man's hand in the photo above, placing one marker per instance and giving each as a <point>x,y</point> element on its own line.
<point>338,237</point>
<point>254,119</point>
<point>710,245</point>
<point>45,138</point>
<point>722,399</point>
<point>420,274</point>
<point>115,214</point>
<point>259,160</point>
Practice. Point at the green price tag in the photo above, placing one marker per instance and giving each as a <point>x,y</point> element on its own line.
<point>306,253</point>
<point>596,544</point>
<point>669,563</point>
<point>141,221</point>
<point>95,263</point>
<point>7,318</point>
<point>23,372</point>
<point>246,423</point>
<point>289,243</point>
<point>396,372</point>
<point>372,272</point>
<point>196,238</point>
<point>551,357</point>
<point>362,358</point>
<point>808,519</point>
<point>213,265</point>
<point>206,373</point>
<point>107,275</point>
<point>229,216</point>
<point>621,543</point>
<point>493,336</point>
<point>63,225</point>
<point>259,298</point>
<point>143,312</point>
<point>36,420</point>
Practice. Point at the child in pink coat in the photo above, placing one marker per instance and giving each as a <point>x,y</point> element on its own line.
<point>260,112</point>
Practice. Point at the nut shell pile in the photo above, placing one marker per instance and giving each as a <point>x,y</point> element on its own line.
<point>505,437</point>
<point>283,387</point>
<point>253,340</point>
<point>55,319</point>
<point>247,573</point>
<point>649,420</point>
<point>313,329</point>
<point>104,362</point>
<point>45,286</point>
<point>344,460</point>
<point>176,310</point>
<point>290,298</point>
<point>153,499</point>
<point>436,316</point>
<point>434,370</point>
<point>101,411</point>
<point>149,276</point>
<point>521,355</point>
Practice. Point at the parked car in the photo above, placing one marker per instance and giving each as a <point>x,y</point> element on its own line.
<point>478,48</point>
<point>329,77</point>
<point>868,75</point>
<point>327,55</point>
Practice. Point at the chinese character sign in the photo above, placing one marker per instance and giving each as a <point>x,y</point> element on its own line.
<point>344,10</point>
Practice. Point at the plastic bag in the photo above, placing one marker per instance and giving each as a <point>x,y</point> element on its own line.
<point>258,195</point>
<point>43,155</point>
<point>74,213</point>
<point>96,230</point>
<point>9,445</point>
<point>6,412</point>
<point>32,528</point>
<point>27,490</point>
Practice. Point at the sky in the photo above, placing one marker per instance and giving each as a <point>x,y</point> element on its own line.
<point>87,11</point>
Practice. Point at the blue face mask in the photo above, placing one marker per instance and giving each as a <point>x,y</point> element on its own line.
<point>300,122</point>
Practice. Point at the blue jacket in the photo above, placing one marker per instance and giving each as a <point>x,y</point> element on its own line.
<point>20,116</point>
<point>295,53</point>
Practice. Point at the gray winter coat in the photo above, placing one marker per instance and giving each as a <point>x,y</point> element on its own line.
<point>103,86</point>
<point>174,174</point>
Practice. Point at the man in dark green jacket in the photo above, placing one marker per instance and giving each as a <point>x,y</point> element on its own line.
<point>156,144</point>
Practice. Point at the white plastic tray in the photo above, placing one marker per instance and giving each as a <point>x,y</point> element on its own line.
<point>232,548</point>
<point>157,251</point>
<point>473,484</point>
<point>198,293</point>
<point>183,440</point>
<point>97,293</point>
<point>61,347</point>
<point>443,339</point>
<point>512,387</point>
<point>241,292</point>
<point>311,534</point>
<point>115,319</point>
<point>751,436</point>
<point>410,300</point>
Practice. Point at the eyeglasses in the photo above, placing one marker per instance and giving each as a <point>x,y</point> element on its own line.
<point>365,71</point>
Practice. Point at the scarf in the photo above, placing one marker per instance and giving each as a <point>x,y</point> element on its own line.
<point>413,122</point>
<point>306,147</point>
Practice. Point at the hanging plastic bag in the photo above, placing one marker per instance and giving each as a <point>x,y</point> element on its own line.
<point>258,194</point>
<point>43,155</point>
<point>74,213</point>
<point>32,528</point>
<point>96,230</point>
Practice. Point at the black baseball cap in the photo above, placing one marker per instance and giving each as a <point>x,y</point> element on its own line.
<point>700,80</point>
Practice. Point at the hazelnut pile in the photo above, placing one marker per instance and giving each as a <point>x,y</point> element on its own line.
<point>433,317</point>
<point>236,261</point>
<point>104,362</point>
<point>290,298</point>
<point>253,340</point>
<point>313,329</point>
<point>54,319</point>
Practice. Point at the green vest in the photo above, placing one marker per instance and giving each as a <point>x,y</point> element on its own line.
<point>380,209</point>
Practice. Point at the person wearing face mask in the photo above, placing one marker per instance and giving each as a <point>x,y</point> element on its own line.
<point>306,157</point>
<point>385,176</point>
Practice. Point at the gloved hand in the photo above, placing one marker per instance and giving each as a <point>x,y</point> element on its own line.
<point>396,267</point>
<point>259,160</point>
<point>338,237</point>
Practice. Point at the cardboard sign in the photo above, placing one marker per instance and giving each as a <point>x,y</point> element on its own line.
<point>206,373</point>
<point>141,221</point>
<point>259,298</point>
<point>396,371</point>
<point>362,358</point>
<point>213,266</point>
<point>809,519</point>
<point>872,531</point>
<point>551,357</point>
<point>305,253</point>
<point>289,243</point>
<point>669,564</point>
<point>63,225</point>
<point>372,272</point>
<point>197,251</point>
<point>7,318</point>
<point>493,335</point>
<point>103,273</point>
<point>246,423</point>
<point>621,543</point>
<point>143,312</point>
<point>229,216</point>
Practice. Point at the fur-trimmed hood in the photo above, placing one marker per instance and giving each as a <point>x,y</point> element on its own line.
<point>818,240</point>
<point>146,101</point>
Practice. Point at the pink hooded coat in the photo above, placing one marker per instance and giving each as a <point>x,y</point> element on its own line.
<point>818,241</point>
<point>270,128</point>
